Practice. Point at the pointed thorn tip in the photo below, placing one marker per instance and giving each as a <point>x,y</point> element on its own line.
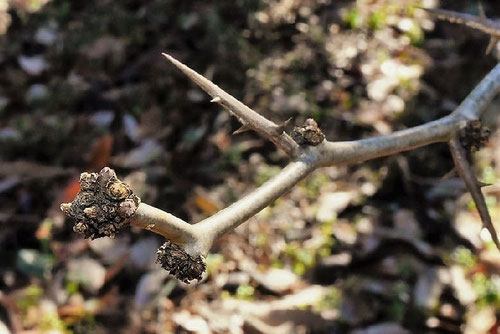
<point>481,11</point>
<point>492,44</point>
<point>285,123</point>
<point>483,184</point>
<point>281,128</point>
<point>242,129</point>
<point>170,58</point>
<point>216,99</point>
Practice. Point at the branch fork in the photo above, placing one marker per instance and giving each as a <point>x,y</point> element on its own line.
<point>106,204</point>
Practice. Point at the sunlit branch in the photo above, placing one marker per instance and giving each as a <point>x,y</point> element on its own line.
<point>313,152</point>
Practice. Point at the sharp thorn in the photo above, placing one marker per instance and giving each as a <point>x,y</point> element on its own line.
<point>216,99</point>
<point>482,14</point>
<point>467,175</point>
<point>285,123</point>
<point>166,55</point>
<point>242,129</point>
<point>492,44</point>
<point>483,184</point>
<point>281,128</point>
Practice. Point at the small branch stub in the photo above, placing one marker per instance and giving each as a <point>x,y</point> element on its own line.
<point>308,134</point>
<point>474,136</point>
<point>177,262</point>
<point>103,205</point>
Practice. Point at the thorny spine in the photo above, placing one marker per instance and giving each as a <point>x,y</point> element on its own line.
<point>190,243</point>
<point>467,174</point>
<point>481,22</point>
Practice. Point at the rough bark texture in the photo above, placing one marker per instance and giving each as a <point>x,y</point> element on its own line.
<point>474,136</point>
<point>308,134</point>
<point>103,205</point>
<point>177,262</point>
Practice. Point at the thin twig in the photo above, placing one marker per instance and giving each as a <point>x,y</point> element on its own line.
<point>150,218</point>
<point>476,102</point>
<point>467,174</point>
<point>334,153</point>
<point>249,118</point>
<point>440,130</point>
<point>239,212</point>
<point>481,22</point>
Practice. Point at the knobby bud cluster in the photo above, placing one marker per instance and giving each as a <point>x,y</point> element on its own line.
<point>105,205</point>
<point>102,206</point>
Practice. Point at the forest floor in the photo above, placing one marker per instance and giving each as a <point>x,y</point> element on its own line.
<point>386,246</point>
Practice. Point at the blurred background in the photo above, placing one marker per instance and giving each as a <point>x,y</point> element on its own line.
<point>380,247</point>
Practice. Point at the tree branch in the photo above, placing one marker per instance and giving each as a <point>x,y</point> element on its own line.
<point>440,130</point>
<point>175,229</point>
<point>467,174</point>
<point>237,213</point>
<point>481,22</point>
<point>313,152</point>
<point>249,118</point>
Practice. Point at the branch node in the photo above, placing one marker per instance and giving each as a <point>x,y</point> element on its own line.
<point>281,127</point>
<point>180,264</point>
<point>474,136</point>
<point>309,134</point>
<point>103,205</point>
